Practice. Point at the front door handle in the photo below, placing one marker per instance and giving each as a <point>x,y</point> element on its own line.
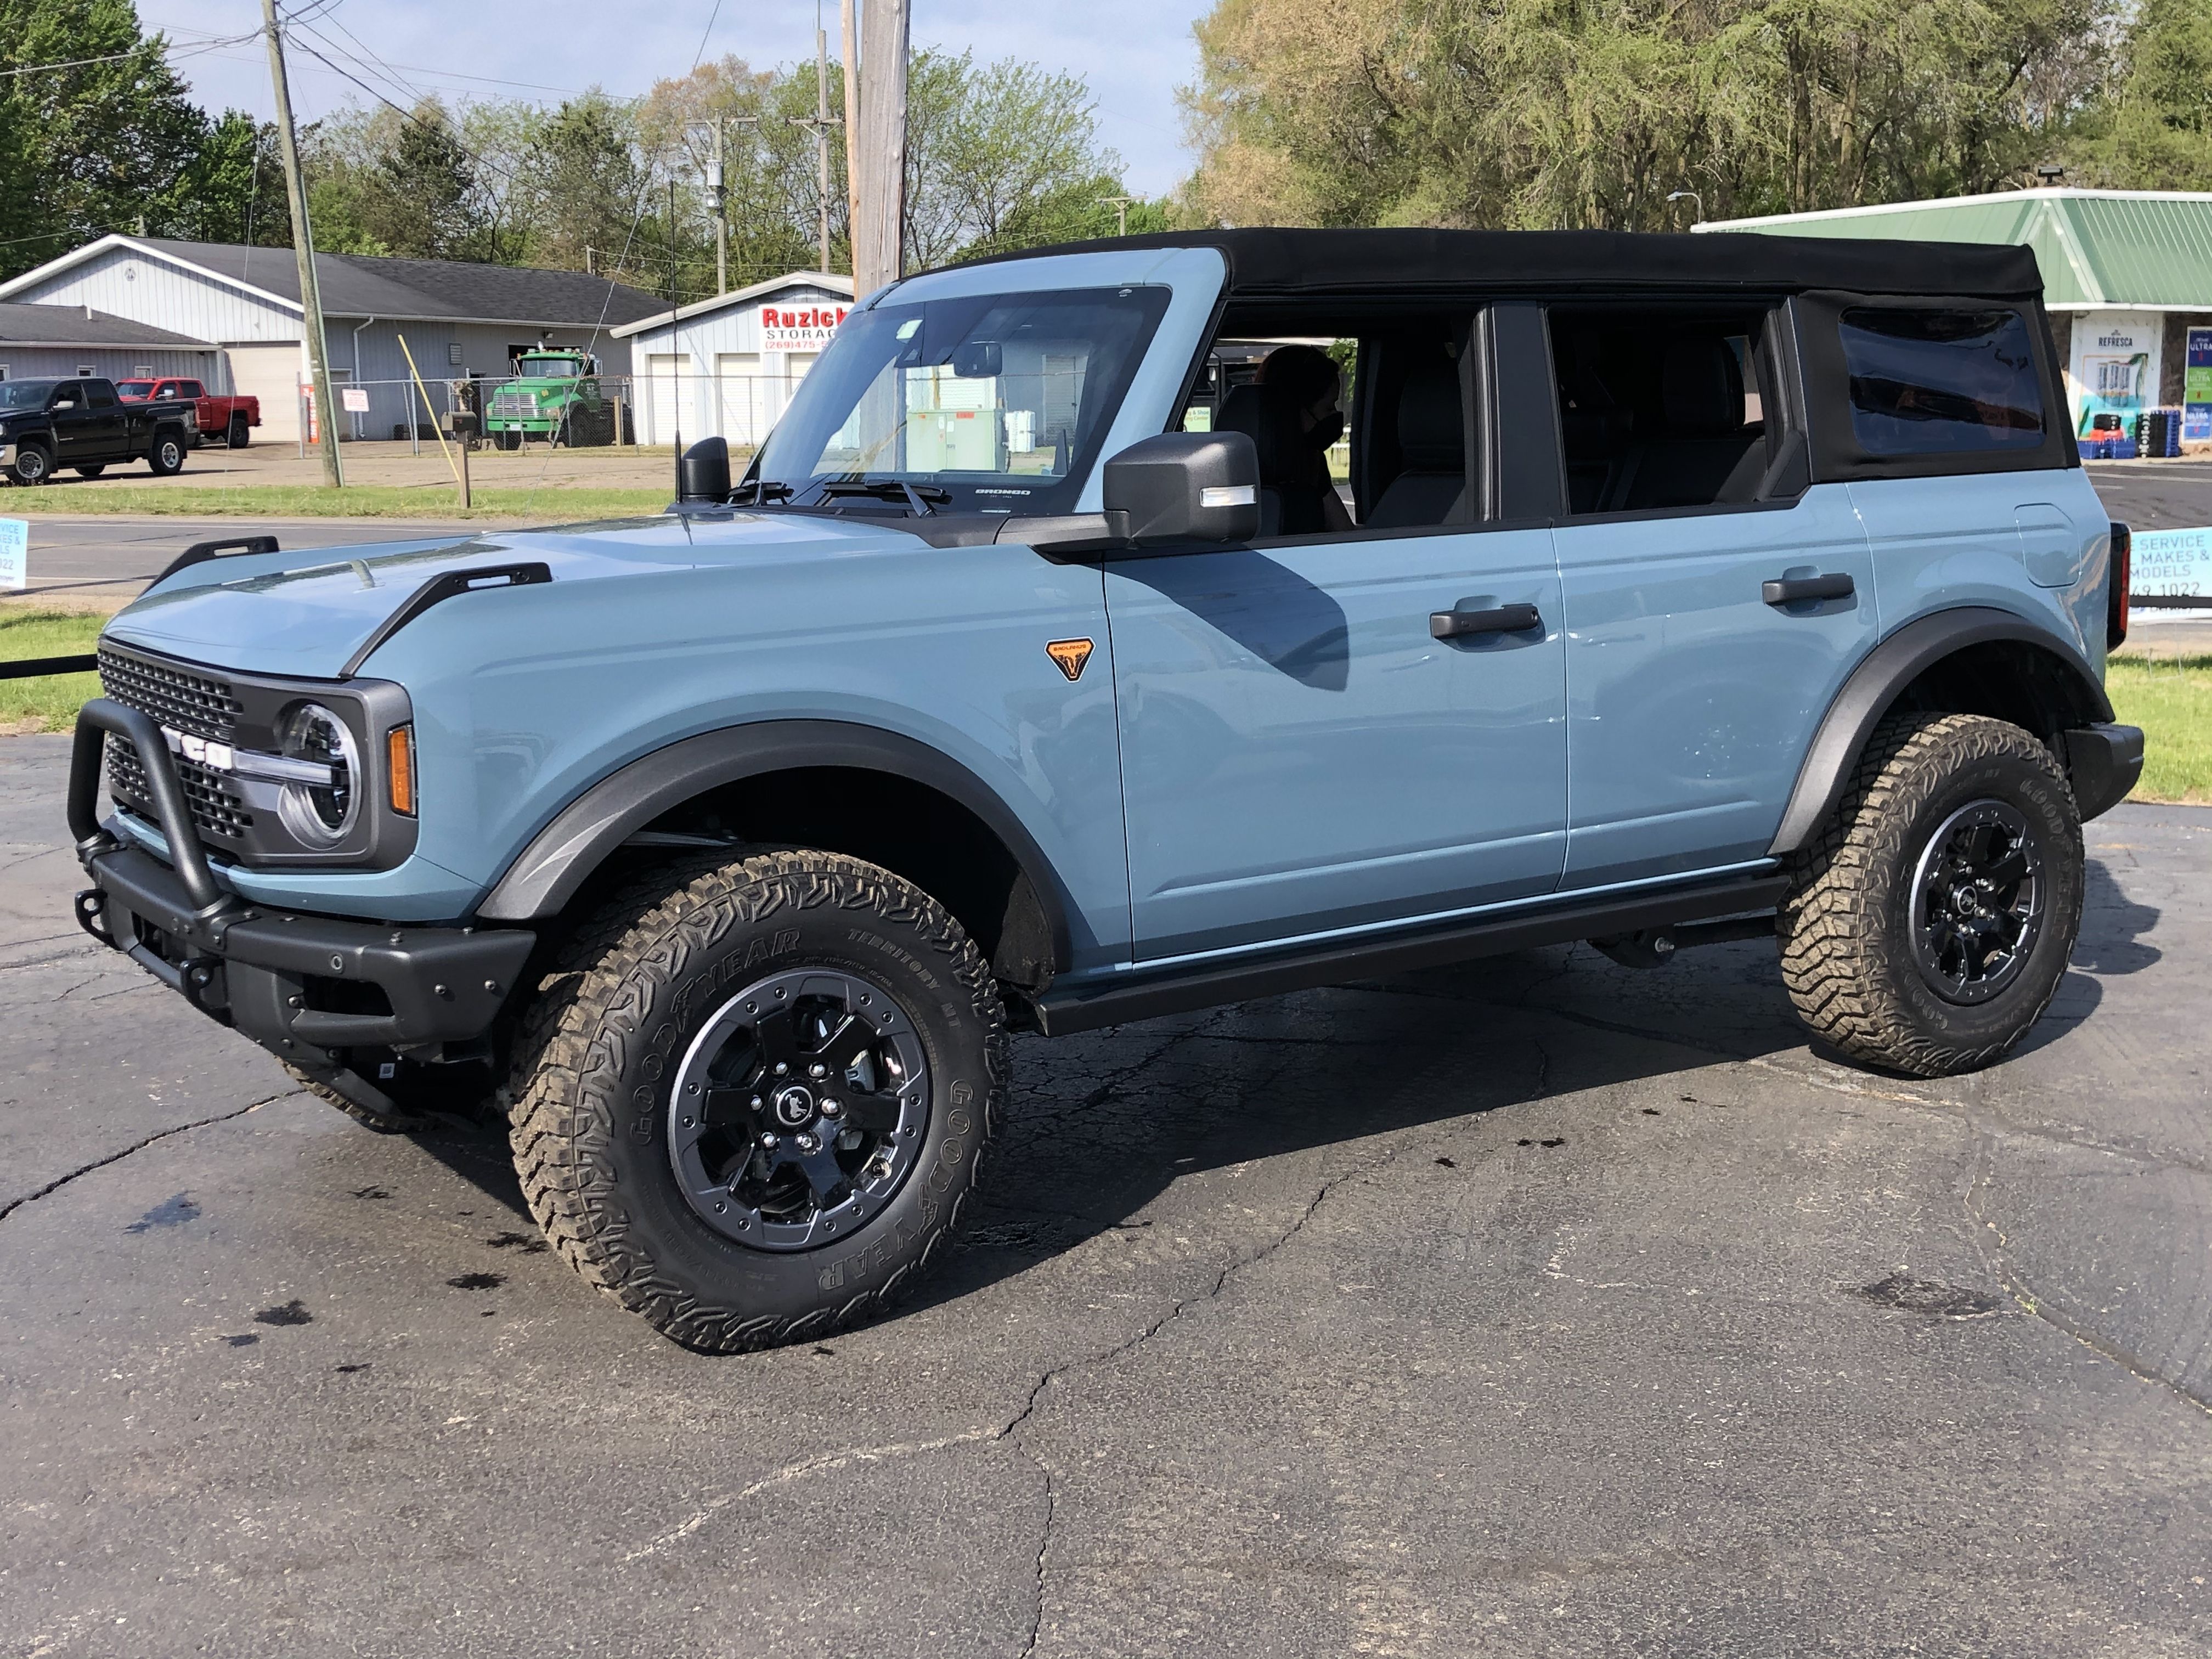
<point>1505,619</point>
<point>1791,590</point>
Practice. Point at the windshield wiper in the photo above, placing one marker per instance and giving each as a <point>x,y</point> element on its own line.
<point>921,500</point>
<point>758,492</point>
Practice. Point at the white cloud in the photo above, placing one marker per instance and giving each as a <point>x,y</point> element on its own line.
<point>1133,53</point>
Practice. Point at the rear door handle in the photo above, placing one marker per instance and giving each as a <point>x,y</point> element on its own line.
<point>1791,590</point>
<point>1505,619</point>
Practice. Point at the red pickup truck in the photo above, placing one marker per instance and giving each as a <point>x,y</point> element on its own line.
<point>229,417</point>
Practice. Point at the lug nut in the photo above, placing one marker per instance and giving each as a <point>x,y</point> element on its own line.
<point>781,1068</point>
<point>818,1069</point>
<point>808,1143</point>
<point>767,1143</point>
<point>831,1108</point>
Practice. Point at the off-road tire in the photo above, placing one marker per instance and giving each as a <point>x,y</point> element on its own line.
<point>599,1051</point>
<point>429,1096</point>
<point>236,435</point>
<point>30,466</point>
<point>1845,928</point>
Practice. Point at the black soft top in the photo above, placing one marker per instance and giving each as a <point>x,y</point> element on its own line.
<point>1272,264</point>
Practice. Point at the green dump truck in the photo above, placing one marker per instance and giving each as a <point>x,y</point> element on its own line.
<point>555,395</point>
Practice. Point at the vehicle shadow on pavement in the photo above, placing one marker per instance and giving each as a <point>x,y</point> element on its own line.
<point>1101,1126</point>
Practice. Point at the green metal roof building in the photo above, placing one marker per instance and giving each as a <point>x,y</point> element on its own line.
<point>2127,278</point>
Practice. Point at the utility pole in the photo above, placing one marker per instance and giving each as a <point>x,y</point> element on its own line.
<point>303,245</point>
<point>1121,206</point>
<point>850,13</point>
<point>878,237</point>
<point>716,197</point>
<point>675,345</point>
<point>821,121</point>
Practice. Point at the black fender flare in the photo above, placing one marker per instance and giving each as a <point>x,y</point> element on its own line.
<point>1874,685</point>
<point>545,875</point>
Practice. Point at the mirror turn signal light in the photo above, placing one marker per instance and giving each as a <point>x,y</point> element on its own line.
<point>399,767</point>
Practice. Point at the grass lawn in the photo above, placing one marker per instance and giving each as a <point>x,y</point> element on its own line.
<point>2171,698</point>
<point>549,505</point>
<point>49,703</point>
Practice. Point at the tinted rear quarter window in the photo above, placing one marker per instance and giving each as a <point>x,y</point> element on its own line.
<point>1942,382</point>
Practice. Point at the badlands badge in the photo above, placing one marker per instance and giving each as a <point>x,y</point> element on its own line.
<point>1070,655</point>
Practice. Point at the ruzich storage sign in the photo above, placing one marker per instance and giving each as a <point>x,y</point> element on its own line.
<point>799,328</point>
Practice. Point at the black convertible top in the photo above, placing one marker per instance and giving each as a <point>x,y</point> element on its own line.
<point>1270,263</point>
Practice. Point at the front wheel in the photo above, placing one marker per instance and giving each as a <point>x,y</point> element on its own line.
<point>1930,926</point>
<point>753,1100</point>
<point>167,457</point>
<point>30,466</point>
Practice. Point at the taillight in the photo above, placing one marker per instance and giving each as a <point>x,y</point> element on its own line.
<point>399,767</point>
<point>2120,572</point>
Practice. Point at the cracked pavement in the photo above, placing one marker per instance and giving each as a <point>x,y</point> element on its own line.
<point>1534,1307</point>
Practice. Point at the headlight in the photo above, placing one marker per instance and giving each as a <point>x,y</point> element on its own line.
<point>319,814</point>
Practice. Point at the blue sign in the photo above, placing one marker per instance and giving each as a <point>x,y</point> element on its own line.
<point>2171,561</point>
<point>14,553</point>
<point>2196,389</point>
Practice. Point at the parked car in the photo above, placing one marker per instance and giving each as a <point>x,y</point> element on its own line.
<point>227,416</point>
<point>1696,588</point>
<point>80,423</point>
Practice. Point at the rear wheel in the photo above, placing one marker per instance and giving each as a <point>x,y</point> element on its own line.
<point>753,1100</point>
<point>167,457</point>
<point>237,435</point>
<point>30,465</point>
<point>1930,926</point>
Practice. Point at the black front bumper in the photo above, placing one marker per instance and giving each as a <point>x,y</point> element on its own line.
<point>309,988</point>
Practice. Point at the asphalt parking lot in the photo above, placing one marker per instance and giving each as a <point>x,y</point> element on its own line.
<point>1532,1308</point>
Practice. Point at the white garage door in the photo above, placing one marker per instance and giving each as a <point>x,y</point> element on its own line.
<point>743,395</point>
<point>269,372</point>
<point>669,386</point>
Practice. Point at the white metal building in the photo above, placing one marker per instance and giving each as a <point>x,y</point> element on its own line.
<point>460,320</point>
<point>729,365</point>
<point>37,342</point>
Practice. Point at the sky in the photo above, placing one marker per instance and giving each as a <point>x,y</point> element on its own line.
<point>1134,53</point>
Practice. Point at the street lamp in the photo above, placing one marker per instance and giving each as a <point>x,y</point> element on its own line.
<point>1689,195</point>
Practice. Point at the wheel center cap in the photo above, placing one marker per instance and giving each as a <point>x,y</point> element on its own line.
<point>794,1106</point>
<point>1966,899</point>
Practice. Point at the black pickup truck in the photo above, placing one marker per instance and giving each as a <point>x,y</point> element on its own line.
<point>82,425</point>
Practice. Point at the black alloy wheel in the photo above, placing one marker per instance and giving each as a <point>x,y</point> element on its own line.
<point>1977,901</point>
<point>798,1109</point>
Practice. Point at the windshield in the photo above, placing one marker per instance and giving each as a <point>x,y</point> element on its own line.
<point>135,388</point>
<point>548,368</point>
<point>999,401</point>
<point>25,394</point>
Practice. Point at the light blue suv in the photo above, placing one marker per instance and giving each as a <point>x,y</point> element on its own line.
<point>1126,628</point>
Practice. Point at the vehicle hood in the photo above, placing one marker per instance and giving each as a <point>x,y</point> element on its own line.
<point>306,614</point>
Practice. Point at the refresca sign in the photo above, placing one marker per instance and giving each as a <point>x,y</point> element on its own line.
<point>799,327</point>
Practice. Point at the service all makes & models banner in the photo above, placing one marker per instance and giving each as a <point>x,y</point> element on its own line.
<point>2196,389</point>
<point>2115,369</point>
<point>799,327</point>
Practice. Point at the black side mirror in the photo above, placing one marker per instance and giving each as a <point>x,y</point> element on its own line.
<point>978,360</point>
<point>703,475</point>
<point>1186,486</point>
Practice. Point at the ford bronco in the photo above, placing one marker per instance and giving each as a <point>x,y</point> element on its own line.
<point>1680,589</point>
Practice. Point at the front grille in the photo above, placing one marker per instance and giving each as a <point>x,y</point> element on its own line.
<point>180,701</point>
<point>519,403</point>
<point>215,805</point>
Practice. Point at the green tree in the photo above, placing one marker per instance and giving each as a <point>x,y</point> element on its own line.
<point>99,147</point>
<point>1591,112</point>
<point>2155,129</point>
